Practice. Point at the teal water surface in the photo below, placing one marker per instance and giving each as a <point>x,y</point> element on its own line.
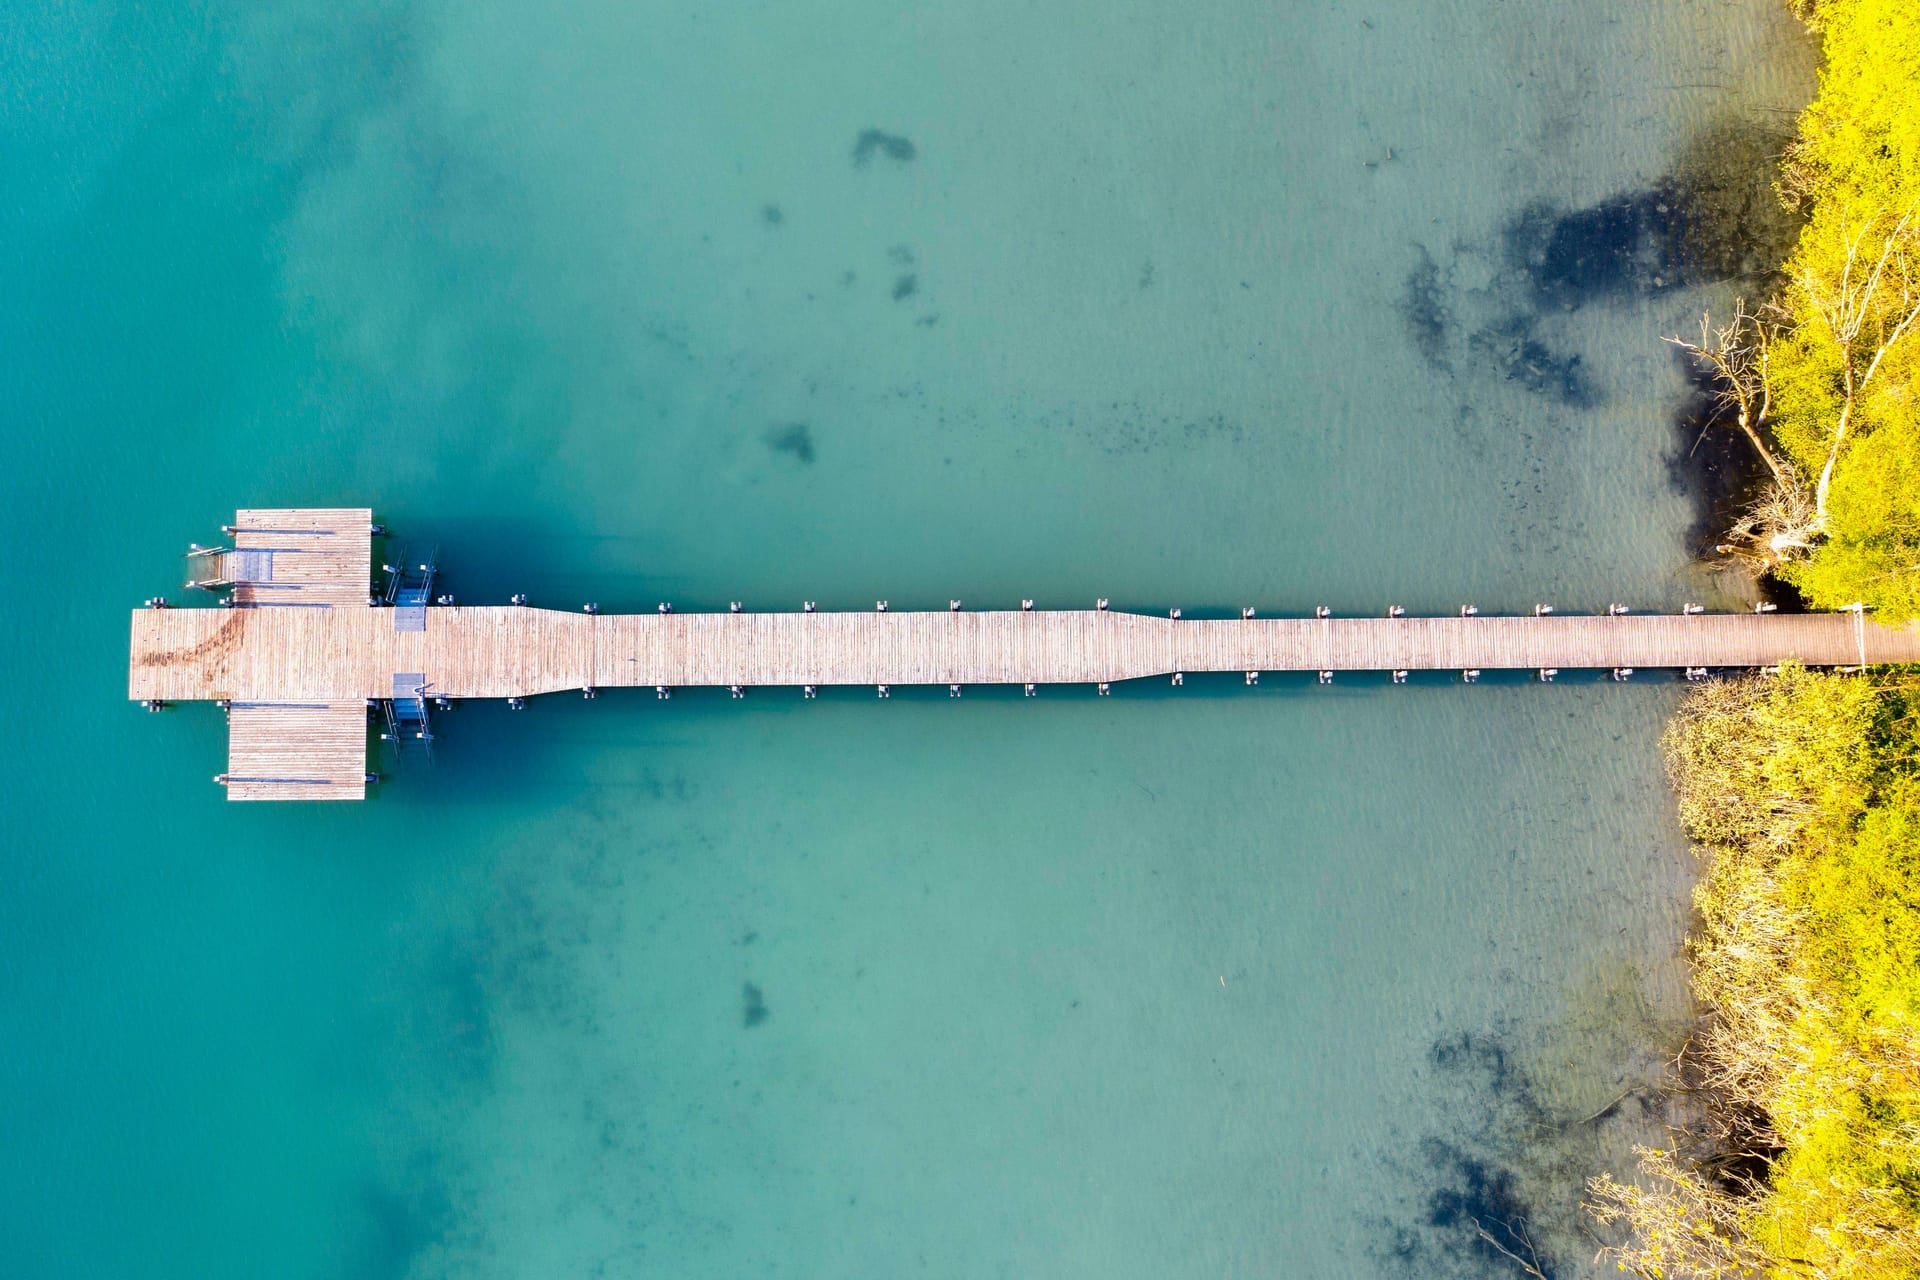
<point>1264,304</point>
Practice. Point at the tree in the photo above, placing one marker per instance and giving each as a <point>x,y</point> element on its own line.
<point>1866,310</point>
<point>1781,522</point>
<point>1678,1225</point>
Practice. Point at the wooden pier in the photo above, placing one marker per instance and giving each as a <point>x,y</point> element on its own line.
<point>301,655</point>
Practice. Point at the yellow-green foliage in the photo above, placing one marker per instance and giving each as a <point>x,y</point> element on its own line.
<point>1858,162</point>
<point>1803,789</point>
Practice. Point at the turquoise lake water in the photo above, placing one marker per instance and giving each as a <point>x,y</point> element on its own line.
<point>1273,304</point>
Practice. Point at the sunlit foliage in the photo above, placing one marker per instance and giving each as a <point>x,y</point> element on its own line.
<point>1844,371</point>
<point>1804,791</point>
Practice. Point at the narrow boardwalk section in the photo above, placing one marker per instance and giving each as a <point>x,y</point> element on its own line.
<point>303,651</point>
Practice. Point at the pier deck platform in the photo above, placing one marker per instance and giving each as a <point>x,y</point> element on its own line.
<point>300,675</point>
<point>279,655</point>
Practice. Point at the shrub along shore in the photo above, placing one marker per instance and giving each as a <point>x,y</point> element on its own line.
<point>1802,790</point>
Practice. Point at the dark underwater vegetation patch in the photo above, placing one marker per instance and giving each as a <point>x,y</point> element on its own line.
<point>1620,247</point>
<point>462,1025</point>
<point>795,439</point>
<point>1519,356</point>
<point>772,215</point>
<point>400,1225</point>
<point>873,142</point>
<point>905,287</point>
<point>1475,1216</point>
<point>1713,216</point>
<point>1423,306</point>
<point>753,1006</point>
<point>1479,1211</point>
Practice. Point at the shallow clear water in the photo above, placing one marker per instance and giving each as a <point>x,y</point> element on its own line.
<point>1261,306</point>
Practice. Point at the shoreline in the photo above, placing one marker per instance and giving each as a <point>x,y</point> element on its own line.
<point>1800,794</point>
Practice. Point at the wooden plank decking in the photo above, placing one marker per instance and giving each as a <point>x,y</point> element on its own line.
<point>297,751</point>
<point>302,649</point>
<point>503,651</point>
<point>303,559</point>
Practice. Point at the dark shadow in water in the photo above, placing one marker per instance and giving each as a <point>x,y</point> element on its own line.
<point>795,439</point>
<point>905,286</point>
<point>1711,462</point>
<point>753,1006</point>
<point>772,215</point>
<point>876,141</point>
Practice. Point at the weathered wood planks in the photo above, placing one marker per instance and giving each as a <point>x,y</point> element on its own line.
<point>304,558</point>
<point>302,649</point>
<point>502,651</point>
<point>297,751</point>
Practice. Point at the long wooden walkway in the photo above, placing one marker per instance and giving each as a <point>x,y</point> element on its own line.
<point>503,651</point>
<point>299,675</point>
